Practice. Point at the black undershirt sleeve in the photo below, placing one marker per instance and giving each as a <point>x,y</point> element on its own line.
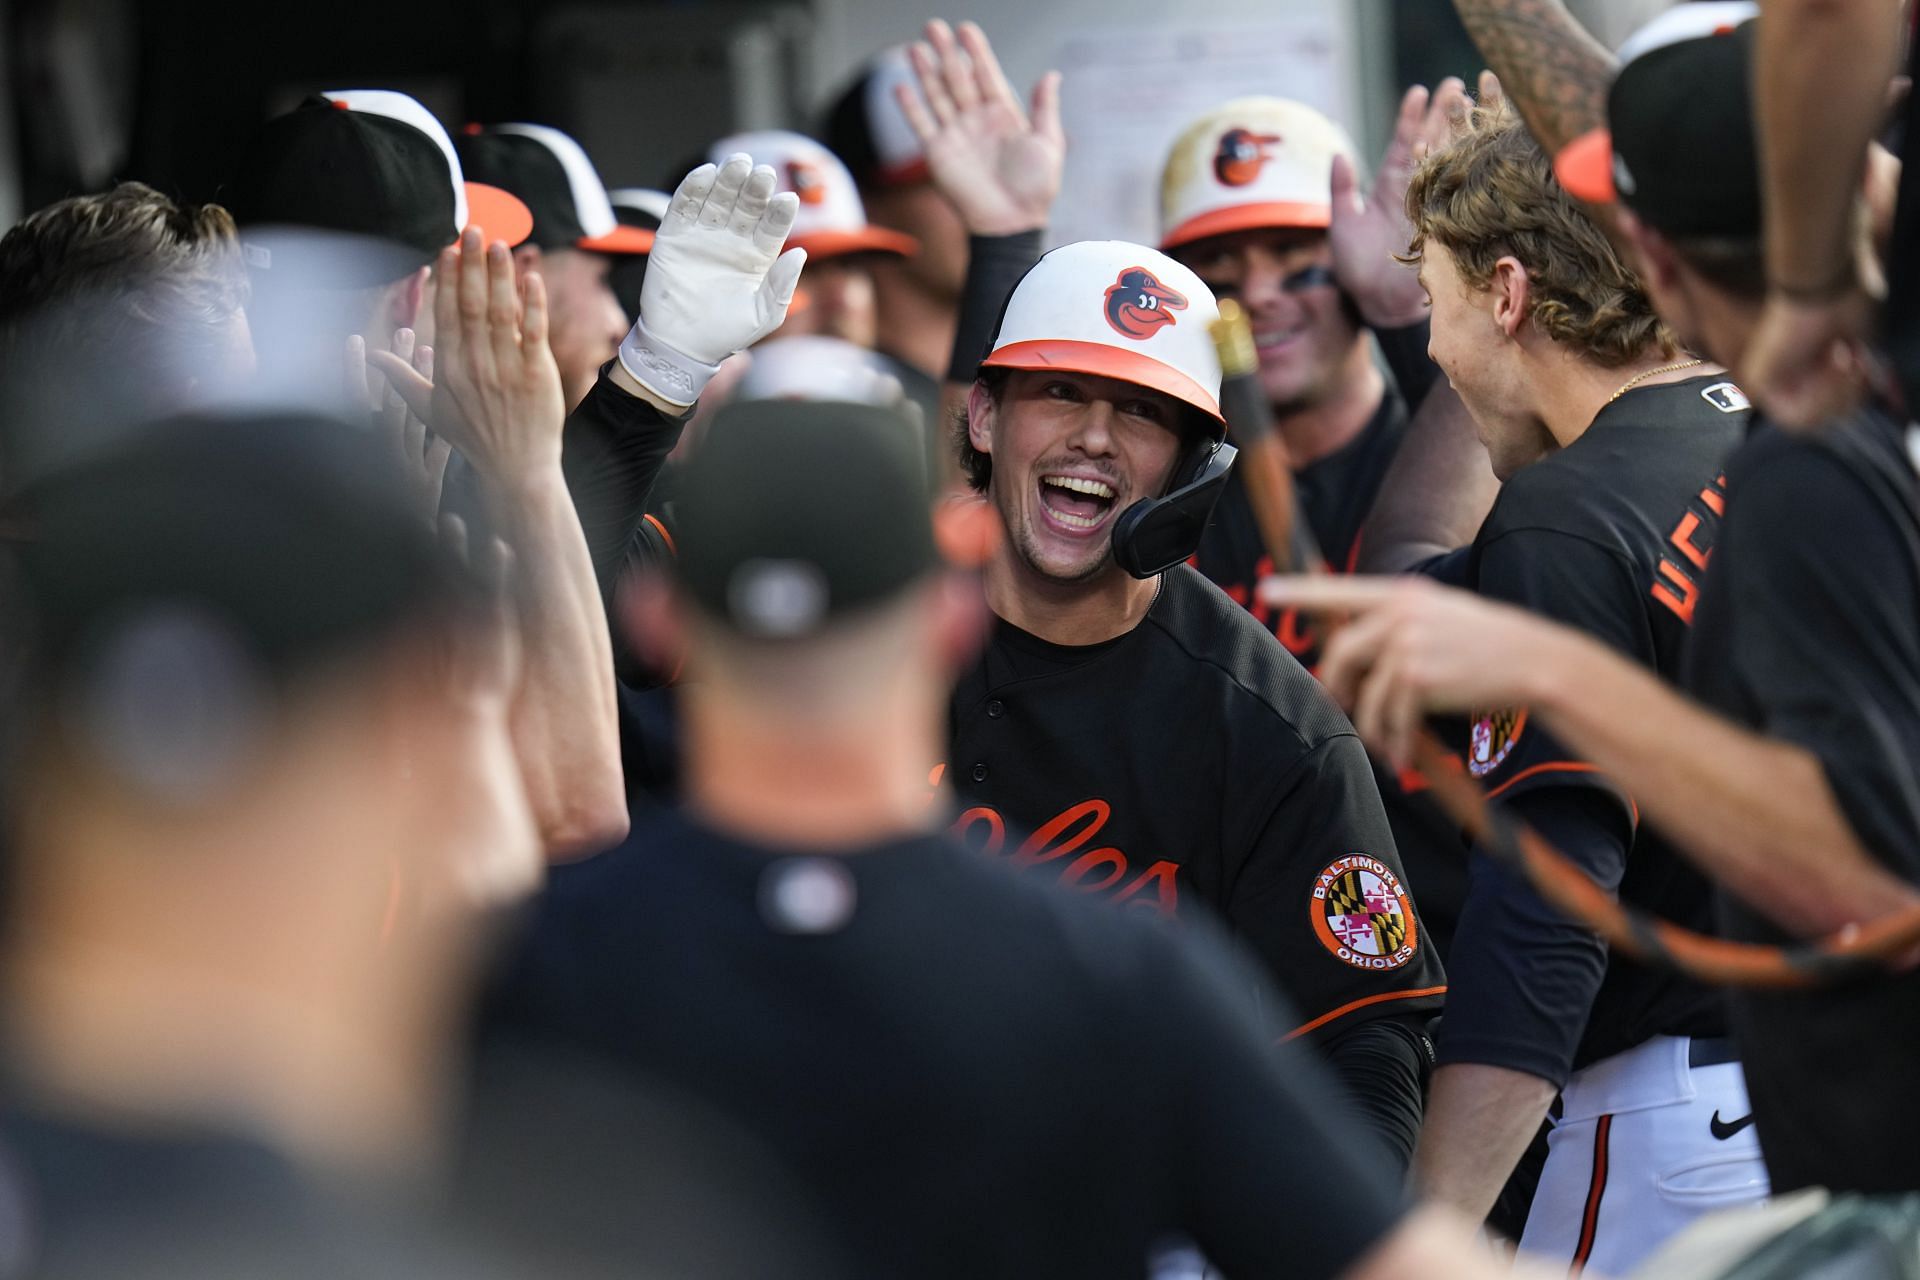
<point>994,265</point>
<point>1405,351</point>
<point>1385,1064</point>
<point>612,452</point>
<point>1523,976</point>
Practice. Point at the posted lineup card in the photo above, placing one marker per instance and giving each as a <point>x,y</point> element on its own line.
<point>1126,92</point>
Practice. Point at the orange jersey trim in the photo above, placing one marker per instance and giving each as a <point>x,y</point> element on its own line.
<point>661,529</point>
<point>1361,1003</point>
<point>1563,766</point>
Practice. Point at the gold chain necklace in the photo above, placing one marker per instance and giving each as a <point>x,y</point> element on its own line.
<point>1638,378</point>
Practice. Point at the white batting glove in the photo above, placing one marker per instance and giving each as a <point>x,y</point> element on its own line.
<point>716,280</point>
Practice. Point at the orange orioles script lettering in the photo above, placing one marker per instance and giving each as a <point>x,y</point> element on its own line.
<point>1242,155</point>
<point>1137,304</point>
<point>1063,839</point>
<point>1677,581</point>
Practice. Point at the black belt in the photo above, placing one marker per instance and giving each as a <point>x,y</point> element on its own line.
<point>1711,1051</point>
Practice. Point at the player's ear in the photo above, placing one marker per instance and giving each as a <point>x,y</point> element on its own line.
<point>980,415</point>
<point>1509,289</point>
<point>1648,252</point>
<point>404,303</point>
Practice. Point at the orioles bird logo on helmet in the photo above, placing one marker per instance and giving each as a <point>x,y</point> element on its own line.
<point>807,181</point>
<point>1243,153</point>
<point>1138,304</point>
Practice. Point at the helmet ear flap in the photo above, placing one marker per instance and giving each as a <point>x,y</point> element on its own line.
<point>1154,534</point>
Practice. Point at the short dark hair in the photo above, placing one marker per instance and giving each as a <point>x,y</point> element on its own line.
<point>976,466</point>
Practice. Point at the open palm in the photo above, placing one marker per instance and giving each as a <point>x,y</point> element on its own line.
<point>998,164</point>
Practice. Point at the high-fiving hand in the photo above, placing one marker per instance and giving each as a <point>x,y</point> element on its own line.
<point>717,281</point>
<point>496,394</point>
<point>1367,232</point>
<point>998,165</point>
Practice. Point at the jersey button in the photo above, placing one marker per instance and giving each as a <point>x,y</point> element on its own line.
<point>996,709</point>
<point>980,773</point>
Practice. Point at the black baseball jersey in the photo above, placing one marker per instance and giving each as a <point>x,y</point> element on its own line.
<point>1191,761</point>
<point>1808,631</point>
<point>973,1074</point>
<point>1610,534</point>
<point>1335,495</point>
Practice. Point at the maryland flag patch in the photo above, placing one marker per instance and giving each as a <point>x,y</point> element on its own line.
<point>1361,913</point>
<point>1494,736</point>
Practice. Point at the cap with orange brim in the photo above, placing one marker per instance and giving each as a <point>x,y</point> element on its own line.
<point>831,221</point>
<point>1678,147</point>
<point>1115,310</point>
<point>550,173</point>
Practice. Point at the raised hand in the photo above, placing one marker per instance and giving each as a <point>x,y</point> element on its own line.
<point>1807,363</point>
<point>497,396</point>
<point>998,164</point>
<point>1367,232</point>
<point>716,282</point>
<point>420,455</point>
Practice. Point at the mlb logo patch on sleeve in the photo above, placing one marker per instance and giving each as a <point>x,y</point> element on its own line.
<point>1726,397</point>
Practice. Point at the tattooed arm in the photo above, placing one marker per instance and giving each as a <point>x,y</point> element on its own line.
<point>1552,71</point>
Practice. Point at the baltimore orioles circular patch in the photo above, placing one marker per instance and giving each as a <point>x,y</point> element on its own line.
<point>1361,913</point>
<point>1494,736</point>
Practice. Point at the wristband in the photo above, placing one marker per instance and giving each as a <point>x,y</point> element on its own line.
<point>672,375</point>
<point>994,265</point>
<point>1837,285</point>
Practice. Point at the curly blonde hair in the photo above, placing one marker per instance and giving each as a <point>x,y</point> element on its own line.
<point>1491,193</point>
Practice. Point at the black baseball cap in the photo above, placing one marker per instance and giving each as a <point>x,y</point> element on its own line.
<point>865,127</point>
<point>169,586</point>
<point>552,174</point>
<point>796,513</point>
<point>1679,147</point>
<point>371,164</point>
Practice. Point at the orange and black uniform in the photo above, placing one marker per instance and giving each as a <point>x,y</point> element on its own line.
<point>1611,535</point>
<point>1336,494</point>
<point>1191,765</point>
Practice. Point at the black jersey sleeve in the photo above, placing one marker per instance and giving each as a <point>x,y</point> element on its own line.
<point>1825,638</point>
<point>614,446</point>
<point>1572,581</point>
<point>1323,899</point>
<point>1405,351</point>
<point>1523,975</point>
<point>1274,1172</point>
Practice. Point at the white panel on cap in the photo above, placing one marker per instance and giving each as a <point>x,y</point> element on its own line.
<point>398,106</point>
<point>816,367</point>
<point>645,199</point>
<point>1687,22</point>
<point>839,208</point>
<point>1064,299</point>
<point>590,202</point>
<point>895,143</point>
